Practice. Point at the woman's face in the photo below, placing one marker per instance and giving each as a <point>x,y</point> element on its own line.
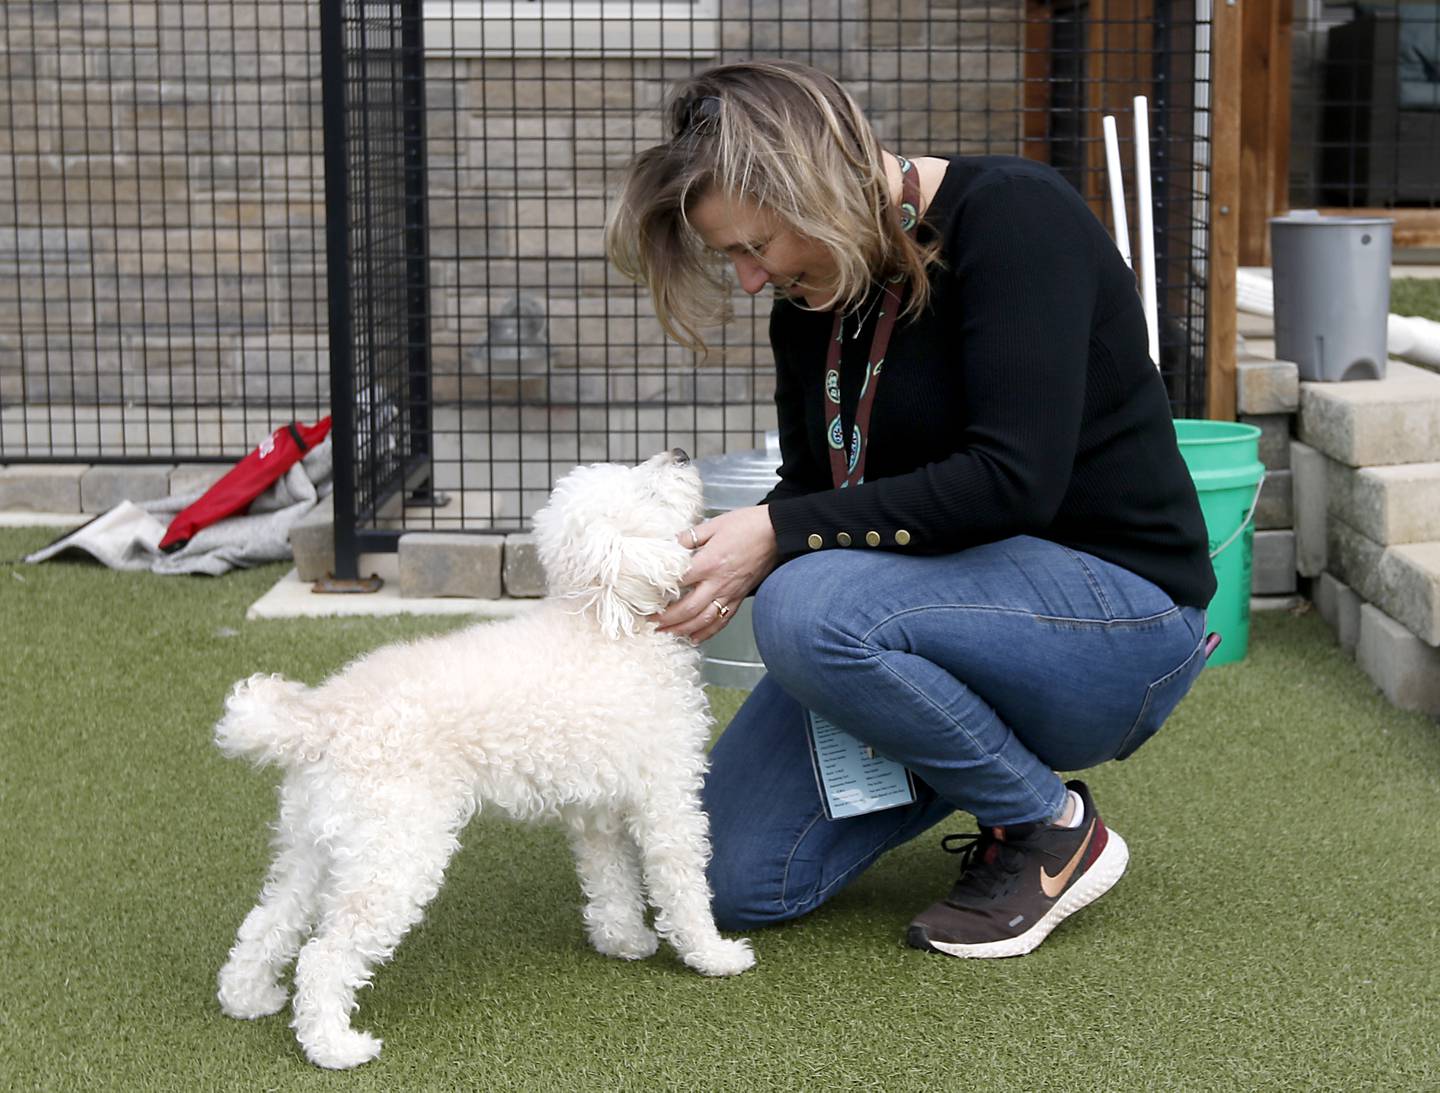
<point>763,250</point>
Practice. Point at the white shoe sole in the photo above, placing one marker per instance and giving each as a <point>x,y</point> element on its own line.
<point>1109,867</point>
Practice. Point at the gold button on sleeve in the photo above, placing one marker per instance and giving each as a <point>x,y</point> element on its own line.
<point>843,538</point>
<point>902,538</point>
<point>815,542</point>
<point>872,538</point>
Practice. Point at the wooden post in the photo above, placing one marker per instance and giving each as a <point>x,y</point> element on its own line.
<point>1225,94</point>
<point>1035,88</point>
<point>1264,124</point>
<point>1413,227</point>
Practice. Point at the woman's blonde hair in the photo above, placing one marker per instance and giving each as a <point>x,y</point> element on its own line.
<point>789,138</point>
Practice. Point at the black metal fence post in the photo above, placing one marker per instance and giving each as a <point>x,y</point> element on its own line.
<point>337,250</point>
<point>417,237</point>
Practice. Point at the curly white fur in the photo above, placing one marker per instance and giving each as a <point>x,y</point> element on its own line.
<point>579,711</point>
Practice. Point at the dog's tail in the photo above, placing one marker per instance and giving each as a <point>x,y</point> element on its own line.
<point>264,721</point>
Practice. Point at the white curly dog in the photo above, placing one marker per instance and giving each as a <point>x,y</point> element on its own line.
<point>579,711</point>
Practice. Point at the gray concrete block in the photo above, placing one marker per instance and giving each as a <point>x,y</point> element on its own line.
<point>190,478</point>
<point>1275,509</point>
<point>312,540</point>
<point>1249,325</point>
<point>104,486</point>
<point>1406,669</point>
<point>1410,577</point>
<point>1274,439</point>
<point>1311,508</point>
<point>1403,581</point>
<point>41,487</point>
<point>1267,387</point>
<point>441,564</point>
<point>524,575</point>
<point>1371,423</point>
<point>1273,564</point>
<point>1394,504</point>
<point>1339,606</point>
<point>1354,558</point>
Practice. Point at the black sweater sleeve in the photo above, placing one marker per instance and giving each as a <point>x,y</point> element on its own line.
<point>1017,320</point>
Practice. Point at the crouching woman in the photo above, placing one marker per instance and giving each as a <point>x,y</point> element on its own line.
<point>984,558</point>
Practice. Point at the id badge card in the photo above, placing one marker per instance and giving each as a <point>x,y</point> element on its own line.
<point>852,778</point>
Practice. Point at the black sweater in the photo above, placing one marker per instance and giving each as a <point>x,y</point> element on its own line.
<point>1023,402</point>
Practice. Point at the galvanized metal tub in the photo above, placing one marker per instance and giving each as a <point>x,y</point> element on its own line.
<point>733,481</point>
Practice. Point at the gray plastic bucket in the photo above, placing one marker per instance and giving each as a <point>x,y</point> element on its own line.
<point>1332,293</point>
<point>733,481</point>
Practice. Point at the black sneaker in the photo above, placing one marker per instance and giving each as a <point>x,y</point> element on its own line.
<point>1019,883</point>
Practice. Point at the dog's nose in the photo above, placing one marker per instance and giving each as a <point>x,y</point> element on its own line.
<point>680,456</point>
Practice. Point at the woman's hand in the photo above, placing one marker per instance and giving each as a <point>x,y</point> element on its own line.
<point>733,553</point>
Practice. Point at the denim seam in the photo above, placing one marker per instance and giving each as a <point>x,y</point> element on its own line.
<point>1139,620</point>
<point>822,893</point>
<point>785,904</point>
<point>876,655</point>
<point>1131,621</point>
<point>1198,651</point>
<point>1092,581</point>
<point>865,637</point>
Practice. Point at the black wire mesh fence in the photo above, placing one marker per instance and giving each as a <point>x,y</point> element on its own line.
<point>538,354</point>
<point>1365,93</point>
<point>203,203</point>
<point>161,228</point>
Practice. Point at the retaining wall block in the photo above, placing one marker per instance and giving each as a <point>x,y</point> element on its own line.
<point>41,487</point>
<point>104,485</point>
<point>1406,669</point>
<point>1273,569</point>
<point>1267,387</point>
<point>440,564</point>
<point>1395,504</point>
<point>1339,606</point>
<point>524,576</point>
<point>1372,423</point>
<point>1311,508</point>
<point>312,539</point>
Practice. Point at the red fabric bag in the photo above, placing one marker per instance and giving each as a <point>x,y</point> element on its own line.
<point>245,481</point>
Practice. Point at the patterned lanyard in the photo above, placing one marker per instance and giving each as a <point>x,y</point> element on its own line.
<point>847,462</point>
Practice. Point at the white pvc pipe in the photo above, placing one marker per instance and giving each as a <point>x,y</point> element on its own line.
<point>1146,213</point>
<point>1254,292</point>
<point>1117,188</point>
<point>1412,338</point>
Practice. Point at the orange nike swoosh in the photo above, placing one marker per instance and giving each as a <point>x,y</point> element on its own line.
<point>1053,886</point>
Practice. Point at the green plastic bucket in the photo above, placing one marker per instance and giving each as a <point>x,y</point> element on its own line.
<point>1224,461</point>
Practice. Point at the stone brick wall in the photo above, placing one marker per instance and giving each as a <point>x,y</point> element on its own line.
<point>161,223</point>
<point>162,251</point>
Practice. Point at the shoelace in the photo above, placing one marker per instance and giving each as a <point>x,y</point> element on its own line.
<point>986,862</point>
<point>984,865</point>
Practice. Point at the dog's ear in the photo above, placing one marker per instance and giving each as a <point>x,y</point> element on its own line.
<point>622,577</point>
<point>638,576</point>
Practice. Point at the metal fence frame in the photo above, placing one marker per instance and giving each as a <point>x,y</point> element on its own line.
<point>371,506</point>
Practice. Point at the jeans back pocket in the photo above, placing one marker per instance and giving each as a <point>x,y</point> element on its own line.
<point>1161,698</point>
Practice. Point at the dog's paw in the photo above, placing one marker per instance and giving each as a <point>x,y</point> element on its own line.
<point>624,944</point>
<point>247,1000</point>
<point>342,1050</point>
<point>722,957</point>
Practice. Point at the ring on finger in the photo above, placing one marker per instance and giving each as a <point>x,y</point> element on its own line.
<point>720,607</point>
<point>694,539</point>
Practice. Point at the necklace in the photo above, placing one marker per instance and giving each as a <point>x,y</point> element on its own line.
<point>869,311</point>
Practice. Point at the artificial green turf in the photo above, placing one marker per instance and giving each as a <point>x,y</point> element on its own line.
<point>1276,929</point>
<point>1416,296</point>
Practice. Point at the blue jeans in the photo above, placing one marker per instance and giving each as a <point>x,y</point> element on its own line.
<point>984,672</point>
